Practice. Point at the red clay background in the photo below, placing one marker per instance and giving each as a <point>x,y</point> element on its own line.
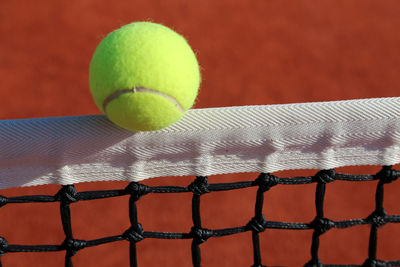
<point>251,53</point>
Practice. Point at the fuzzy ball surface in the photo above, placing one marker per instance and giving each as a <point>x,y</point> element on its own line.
<point>144,76</point>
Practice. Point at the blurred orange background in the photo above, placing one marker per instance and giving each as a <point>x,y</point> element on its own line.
<point>251,53</point>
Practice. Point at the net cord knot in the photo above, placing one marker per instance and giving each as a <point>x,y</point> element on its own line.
<point>134,234</point>
<point>377,218</point>
<point>200,186</point>
<point>67,194</point>
<point>322,225</point>
<point>314,263</point>
<point>3,201</point>
<point>200,235</point>
<point>3,246</point>
<point>387,175</point>
<point>375,263</point>
<point>324,176</point>
<point>265,181</point>
<point>257,224</point>
<point>137,190</point>
<point>74,245</point>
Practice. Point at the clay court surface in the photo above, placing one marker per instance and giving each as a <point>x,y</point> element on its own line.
<point>251,53</point>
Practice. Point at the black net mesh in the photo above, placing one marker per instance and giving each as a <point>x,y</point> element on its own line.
<point>68,195</point>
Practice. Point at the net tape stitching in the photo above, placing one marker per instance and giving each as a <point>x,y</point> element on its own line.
<point>68,195</point>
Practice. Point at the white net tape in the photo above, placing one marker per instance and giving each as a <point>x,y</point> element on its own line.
<point>211,141</point>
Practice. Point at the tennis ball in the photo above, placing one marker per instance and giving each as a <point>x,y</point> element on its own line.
<point>144,76</point>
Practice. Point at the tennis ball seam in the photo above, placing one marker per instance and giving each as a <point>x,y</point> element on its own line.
<point>141,89</point>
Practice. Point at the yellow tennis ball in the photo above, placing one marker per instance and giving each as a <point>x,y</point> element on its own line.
<point>144,76</point>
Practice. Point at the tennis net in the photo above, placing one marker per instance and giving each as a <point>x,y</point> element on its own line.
<point>264,139</point>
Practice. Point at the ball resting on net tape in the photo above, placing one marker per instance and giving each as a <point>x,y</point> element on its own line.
<point>144,76</point>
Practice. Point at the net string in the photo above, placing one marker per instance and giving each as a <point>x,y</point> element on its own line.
<point>68,195</point>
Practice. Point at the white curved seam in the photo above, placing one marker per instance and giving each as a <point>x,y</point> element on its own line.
<point>135,89</point>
